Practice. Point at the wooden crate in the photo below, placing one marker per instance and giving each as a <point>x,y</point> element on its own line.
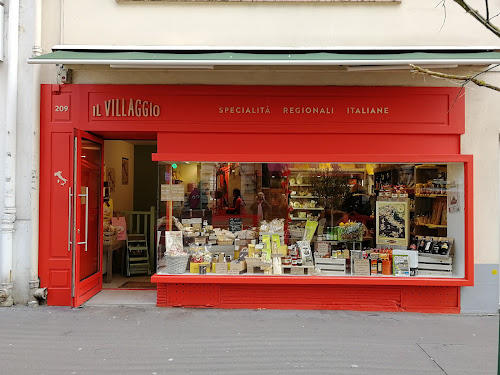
<point>297,270</point>
<point>221,268</point>
<point>331,266</point>
<point>435,265</point>
<point>237,268</point>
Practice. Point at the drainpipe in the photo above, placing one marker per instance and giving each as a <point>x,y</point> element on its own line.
<point>9,216</point>
<point>37,294</point>
<point>2,15</point>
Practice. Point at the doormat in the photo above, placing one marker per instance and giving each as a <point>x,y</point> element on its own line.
<point>138,285</point>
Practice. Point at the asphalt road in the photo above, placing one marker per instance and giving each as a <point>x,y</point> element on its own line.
<point>151,340</point>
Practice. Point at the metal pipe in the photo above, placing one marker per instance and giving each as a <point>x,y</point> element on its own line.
<point>35,155</point>
<point>40,294</point>
<point>2,16</point>
<point>9,216</point>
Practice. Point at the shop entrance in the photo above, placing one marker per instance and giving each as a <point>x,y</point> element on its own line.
<point>128,222</point>
<point>85,223</point>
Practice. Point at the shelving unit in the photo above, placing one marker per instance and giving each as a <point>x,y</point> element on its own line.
<point>300,201</point>
<point>431,200</point>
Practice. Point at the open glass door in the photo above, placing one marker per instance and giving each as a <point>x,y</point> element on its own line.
<point>87,217</point>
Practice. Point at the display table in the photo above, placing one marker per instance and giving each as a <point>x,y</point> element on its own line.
<point>108,250</point>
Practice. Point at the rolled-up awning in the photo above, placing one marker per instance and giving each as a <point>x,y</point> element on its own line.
<point>117,58</point>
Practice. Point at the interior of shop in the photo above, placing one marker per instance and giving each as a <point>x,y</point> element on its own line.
<point>304,219</point>
<point>129,214</point>
<point>287,219</point>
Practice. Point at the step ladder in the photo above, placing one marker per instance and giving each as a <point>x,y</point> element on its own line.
<point>137,258</point>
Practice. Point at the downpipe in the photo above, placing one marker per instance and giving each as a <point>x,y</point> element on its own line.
<point>37,294</point>
<point>2,17</point>
<point>10,209</point>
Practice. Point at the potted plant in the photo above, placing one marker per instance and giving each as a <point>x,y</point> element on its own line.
<point>331,187</point>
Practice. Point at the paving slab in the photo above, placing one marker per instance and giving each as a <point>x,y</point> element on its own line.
<point>152,340</point>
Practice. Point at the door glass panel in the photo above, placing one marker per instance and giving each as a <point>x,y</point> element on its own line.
<point>90,216</point>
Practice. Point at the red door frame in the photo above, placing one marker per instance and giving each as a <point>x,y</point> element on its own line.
<point>90,286</point>
<point>432,119</point>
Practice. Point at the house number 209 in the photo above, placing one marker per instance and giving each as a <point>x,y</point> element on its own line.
<point>62,108</point>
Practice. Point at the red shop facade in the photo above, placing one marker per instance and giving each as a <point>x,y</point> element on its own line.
<point>205,124</point>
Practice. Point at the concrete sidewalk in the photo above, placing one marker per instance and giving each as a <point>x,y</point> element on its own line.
<point>151,340</point>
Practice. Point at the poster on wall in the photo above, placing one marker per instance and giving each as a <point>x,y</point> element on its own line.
<point>124,171</point>
<point>111,179</point>
<point>392,223</point>
<point>453,198</point>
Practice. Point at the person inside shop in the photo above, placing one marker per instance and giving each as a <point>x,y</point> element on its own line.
<point>238,207</point>
<point>194,198</point>
<point>359,207</point>
<point>261,208</point>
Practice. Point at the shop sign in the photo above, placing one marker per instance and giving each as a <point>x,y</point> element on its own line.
<point>172,193</point>
<point>123,107</point>
<point>372,110</point>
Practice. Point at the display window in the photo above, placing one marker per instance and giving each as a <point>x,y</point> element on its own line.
<point>311,219</point>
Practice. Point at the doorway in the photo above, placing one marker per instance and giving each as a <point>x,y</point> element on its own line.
<point>129,216</point>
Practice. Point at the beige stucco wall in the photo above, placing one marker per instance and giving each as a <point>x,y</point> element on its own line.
<point>410,22</point>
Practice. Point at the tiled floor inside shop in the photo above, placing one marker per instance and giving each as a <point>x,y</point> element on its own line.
<point>116,293</point>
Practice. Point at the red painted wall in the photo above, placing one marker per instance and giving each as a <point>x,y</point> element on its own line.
<point>291,124</point>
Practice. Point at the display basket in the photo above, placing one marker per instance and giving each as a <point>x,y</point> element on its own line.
<point>350,234</point>
<point>109,238</point>
<point>176,264</point>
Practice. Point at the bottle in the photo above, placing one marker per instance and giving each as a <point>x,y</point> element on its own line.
<point>335,234</point>
<point>373,266</point>
<point>428,246</point>
<point>436,247</point>
<point>444,248</point>
<point>379,266</point>
<point>328,234</point>
<point>421,245</point>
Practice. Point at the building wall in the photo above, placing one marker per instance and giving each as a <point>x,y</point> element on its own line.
<point>413,23</point>
<point>26,171</point>
<point>3,120</point>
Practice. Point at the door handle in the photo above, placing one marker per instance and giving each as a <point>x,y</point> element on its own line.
<point>70,197</point>
<point>86,195</point>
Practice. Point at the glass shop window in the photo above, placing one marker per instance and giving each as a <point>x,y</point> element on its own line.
<point>311,219</point>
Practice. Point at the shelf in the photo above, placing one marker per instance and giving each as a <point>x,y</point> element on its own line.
<point>298,185</point>
<point>432,225</point>
<point>298,218</point>
<point>430,195</point>
<point>303,196</point>
<point>430,166</point>
<point>312,208</point>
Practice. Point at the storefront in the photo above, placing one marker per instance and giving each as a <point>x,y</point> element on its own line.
<point>395,150</point>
